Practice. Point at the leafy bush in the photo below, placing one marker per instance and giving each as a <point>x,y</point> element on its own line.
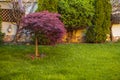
<point>1,34</point>
<point>76,13</point>
<point>1,37</point>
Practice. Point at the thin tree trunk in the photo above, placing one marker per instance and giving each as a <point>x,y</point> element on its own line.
<point>36,47</point>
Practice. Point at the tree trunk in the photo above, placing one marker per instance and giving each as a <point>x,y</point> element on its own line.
<point>36,47</point>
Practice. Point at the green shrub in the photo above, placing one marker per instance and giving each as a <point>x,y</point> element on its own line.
<point>1,34</point>
<point>76,13</point>
<point>1,37</point>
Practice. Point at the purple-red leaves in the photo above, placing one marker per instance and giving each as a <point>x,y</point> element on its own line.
<point>47,23</point>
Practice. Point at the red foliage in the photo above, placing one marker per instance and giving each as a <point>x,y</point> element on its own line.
<point>45,22</point>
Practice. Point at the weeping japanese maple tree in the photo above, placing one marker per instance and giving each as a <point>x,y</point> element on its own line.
<point>46,23</point>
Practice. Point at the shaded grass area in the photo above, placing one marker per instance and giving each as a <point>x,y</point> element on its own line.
<point>62,62</point>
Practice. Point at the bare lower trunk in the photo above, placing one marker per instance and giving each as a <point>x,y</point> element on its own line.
<point>36,47</point>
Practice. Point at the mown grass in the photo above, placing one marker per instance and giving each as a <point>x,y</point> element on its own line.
<point>62,62</point>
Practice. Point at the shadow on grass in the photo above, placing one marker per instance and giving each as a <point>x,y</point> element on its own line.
<point>9,76</point>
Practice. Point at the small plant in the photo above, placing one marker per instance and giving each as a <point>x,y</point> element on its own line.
<point>1,34</point>
<point>45,23</point>
<point>1,37</point>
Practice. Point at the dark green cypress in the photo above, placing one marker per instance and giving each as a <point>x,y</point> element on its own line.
<point>107,19</point>
<point>100,22</point>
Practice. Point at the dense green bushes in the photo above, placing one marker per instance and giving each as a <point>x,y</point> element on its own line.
<point>1,36</point>
<point>76,14</point>
<point>100,23</point>
<point>93,14</point>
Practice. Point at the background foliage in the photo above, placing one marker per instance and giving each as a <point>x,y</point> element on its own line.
<point>50,5</point>
<point>76,13</point>
<point>93,14</point>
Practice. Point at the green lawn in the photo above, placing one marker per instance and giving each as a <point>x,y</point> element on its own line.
<point>62,62</point>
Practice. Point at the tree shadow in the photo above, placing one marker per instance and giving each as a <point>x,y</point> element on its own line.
<point>9,76</point>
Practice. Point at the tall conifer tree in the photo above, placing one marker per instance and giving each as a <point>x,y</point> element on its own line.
<point>101,22</point>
